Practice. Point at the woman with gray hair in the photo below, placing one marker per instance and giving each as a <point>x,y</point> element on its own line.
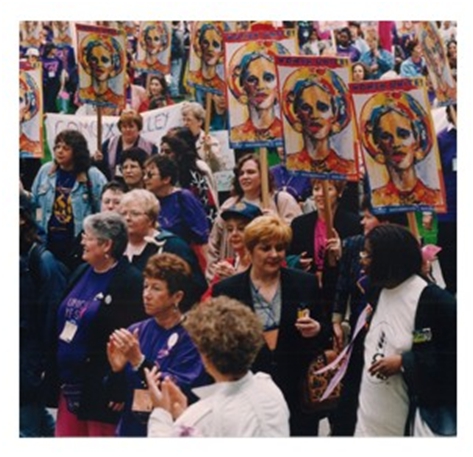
<point>104,294</point>
<point>208,147</point>
<point>140,209</point>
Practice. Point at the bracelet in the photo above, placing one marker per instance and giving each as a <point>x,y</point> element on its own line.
<point>137,367</point>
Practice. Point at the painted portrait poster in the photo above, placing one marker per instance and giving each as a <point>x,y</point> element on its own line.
<point>435,55</point>
<point>399,145</point>
<point>31,112</point>
<point>206,71</point>
<point>30,35</point>
<point>154,47</point>
<point>318,118</point>
<point>62,33</point>
<point>102,64</point>
<point>252,95</point>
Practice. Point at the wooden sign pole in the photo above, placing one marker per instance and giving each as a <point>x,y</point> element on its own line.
<point>263,155</point>
<point>411,219</point>
<point>99,129</point>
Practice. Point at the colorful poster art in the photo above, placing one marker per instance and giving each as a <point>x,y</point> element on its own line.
<point>31,115</point>
<point>102,63</point>
<point>62,33</point>
<point>206,71</point>
<point>435,56</point>
<point>154,47</point>
<point>30,34</point>
<point>399,145</point>
<point>252,94</point>
<point>318,121</point>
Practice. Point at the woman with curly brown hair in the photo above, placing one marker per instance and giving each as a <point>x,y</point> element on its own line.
<point>228,336</point>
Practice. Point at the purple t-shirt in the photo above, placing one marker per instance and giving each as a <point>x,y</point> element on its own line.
<point>184,215</point>
<point>173,351</point>
<point>75,315</point>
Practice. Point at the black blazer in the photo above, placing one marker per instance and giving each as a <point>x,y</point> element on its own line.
<point>288,362</point>
<point>303,228</point>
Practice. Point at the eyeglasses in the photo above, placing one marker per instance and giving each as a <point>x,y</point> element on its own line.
<point>364,255</point>
<point>132,213</point>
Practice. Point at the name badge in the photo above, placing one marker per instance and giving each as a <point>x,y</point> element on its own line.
<point>454,164</point>
<point>68,332</point>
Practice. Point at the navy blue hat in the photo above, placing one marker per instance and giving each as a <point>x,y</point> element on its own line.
<point>242,210</point>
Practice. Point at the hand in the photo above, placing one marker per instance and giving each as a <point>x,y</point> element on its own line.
<point>338,336</point>
<point>98,156</point>
<point>153,380</point>
<point>224,269</point>
<point>305,262</point>
<point>427,220</point>
<point>308,327</point>
<point>128,344</point>
<point>386,366</point>
<point>333,246</point>
<point>116,358</point>
<point>178,399</point>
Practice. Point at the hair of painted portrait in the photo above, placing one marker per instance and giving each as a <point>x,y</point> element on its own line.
<point>406,106</point>
<point>326,80</point>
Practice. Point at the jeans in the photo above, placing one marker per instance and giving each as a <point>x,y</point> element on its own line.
<point>36,421</point>
<point>176,67</point>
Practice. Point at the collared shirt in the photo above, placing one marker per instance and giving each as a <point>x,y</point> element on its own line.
<point>251,406</point>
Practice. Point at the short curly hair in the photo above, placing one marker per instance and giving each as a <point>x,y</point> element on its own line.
<point>171,269</point>
<point>227,333</point>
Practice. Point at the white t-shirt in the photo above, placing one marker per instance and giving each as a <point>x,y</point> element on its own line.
<point>384,404</point>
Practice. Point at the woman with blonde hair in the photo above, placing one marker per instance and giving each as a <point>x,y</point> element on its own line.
<point>286,302</point>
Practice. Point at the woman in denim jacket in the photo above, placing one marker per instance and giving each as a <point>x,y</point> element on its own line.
<point>65,191</point>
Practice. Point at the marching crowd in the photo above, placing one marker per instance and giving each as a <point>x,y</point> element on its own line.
<point>151,304</point>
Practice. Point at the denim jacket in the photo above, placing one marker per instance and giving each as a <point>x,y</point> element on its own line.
<point>43,193</point>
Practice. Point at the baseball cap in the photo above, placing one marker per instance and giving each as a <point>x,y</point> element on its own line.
<point>32,52</point>
<point>242,210</point>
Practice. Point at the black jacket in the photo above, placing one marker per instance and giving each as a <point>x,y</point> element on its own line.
<point>122,305</point>
<point>288,363</point>
<point>303,230</point>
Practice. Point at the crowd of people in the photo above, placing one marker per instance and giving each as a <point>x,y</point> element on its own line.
<point>151,304</point>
